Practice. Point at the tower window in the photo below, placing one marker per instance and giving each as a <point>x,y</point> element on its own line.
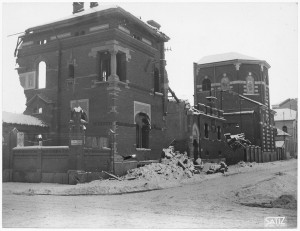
<point>284,128</point>
<point>206,84</point>
<point>142,130</point>
<point>42,75</point>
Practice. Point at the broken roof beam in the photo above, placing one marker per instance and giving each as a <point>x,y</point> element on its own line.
<point>173,94</point>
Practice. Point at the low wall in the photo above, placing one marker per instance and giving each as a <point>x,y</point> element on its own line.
<point>96,160</point>
<point>40,164</point>
<point>269,156</point>
<point>233,157</point>
<point>51,164</point>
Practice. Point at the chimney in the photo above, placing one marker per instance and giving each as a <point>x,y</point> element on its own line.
<point>78,7</point>
<point>154,24</point>
<point>93,4</point>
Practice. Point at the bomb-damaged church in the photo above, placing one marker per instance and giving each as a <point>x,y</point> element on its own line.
<point>112,65</point>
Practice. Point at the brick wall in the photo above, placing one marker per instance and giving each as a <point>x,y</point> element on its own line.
<point>51,164</point>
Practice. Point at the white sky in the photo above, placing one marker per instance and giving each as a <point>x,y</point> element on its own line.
<point>267,31</point>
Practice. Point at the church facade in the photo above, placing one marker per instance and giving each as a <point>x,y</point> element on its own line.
<point>241,86</point>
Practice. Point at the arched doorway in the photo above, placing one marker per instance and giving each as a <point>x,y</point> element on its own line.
<point>195,141</point>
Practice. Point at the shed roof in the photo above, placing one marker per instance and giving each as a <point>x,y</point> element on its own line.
<point>284,114</point>
<point>14,118</point>
<point>281,133</point>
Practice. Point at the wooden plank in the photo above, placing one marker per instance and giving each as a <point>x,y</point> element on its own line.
<point>112,175</point>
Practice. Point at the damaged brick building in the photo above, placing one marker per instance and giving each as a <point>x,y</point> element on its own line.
<point>240,85</point>
<point>112,65</point>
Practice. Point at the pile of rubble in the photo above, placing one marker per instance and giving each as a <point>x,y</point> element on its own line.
<point>173,165</point>
<point>236,141</point>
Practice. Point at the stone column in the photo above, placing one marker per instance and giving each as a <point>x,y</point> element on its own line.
<point>113,65</point>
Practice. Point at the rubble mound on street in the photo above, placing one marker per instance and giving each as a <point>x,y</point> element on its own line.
<point>278,191</point>
<point>174,166</point>
<point>285,201</point>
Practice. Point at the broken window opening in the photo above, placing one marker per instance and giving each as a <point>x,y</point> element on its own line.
<point>143,128</point>
<point>38,110</point>
<point>156,80</point>
<point>136,37</point>
<point>104,66</point>
<point>42,75</point>
<point>121,66</point>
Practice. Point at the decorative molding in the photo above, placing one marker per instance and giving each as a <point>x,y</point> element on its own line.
<point>100,27</point>
<point>110,46</point>
<point>237,66</point>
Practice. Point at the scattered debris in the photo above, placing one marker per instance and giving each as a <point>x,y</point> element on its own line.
<point>280,173</point>
<point>236,141</point>
<point>113,176</point>
<point>284,201</point>
<point>245,164</point>
<point>173,165</point>
<point>199,165</point>
<point>215,168</point>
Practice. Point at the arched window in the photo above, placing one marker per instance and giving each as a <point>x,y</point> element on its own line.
<point>206,130</point>
<point>143,128</point>
<point>225,83</point>
<point>284,128</point>
<point>250,84</point>
<point>156,80</point>
<point>206,84</point>
<point>42,75</point>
